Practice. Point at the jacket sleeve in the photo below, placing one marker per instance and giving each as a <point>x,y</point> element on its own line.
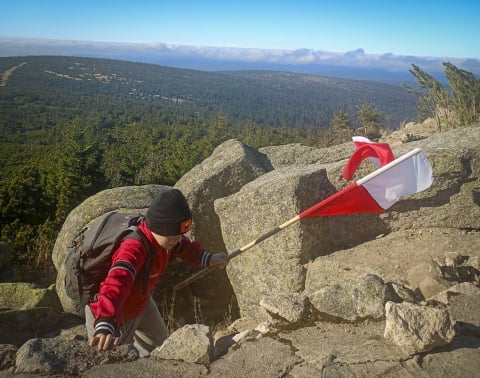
<point>192,252</point>
<point>127,261</point>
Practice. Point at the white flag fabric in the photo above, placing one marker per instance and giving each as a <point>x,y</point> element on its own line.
<point>409,174</point>
<point>376,192</point>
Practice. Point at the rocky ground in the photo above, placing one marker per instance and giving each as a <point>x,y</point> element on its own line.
<point>312,346</point>
<point>427,264</point>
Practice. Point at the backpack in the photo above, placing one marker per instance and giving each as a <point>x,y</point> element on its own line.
<point>89,257</point>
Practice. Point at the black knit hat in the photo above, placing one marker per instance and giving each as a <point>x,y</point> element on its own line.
<point>169,214</point>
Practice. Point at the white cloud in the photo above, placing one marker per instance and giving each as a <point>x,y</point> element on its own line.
<point>299,57</point>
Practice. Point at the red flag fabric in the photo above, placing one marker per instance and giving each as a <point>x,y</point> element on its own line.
<point>378,153</point>
<point>376,192</point>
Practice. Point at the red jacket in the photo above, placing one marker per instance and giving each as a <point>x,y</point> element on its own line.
<point>120,298</point>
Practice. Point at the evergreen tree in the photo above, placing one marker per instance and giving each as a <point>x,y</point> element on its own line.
<point>370,119</point>
<point>248,132</point>
<point>76,169</point>
<point>341,126</point>
<point>465,92</point>
<point>218,129</point>
<point>432,96</point>
<point>24,198</point>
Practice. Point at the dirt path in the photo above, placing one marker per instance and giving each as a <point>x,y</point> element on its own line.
<point>5,75</point>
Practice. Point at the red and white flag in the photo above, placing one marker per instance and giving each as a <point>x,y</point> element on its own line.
<point>376,192</point>
<point>378,153</point>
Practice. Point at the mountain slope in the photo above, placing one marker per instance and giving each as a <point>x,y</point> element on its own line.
<point>264,97</point>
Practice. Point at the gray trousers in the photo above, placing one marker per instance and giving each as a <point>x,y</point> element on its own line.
<point>147,331</point>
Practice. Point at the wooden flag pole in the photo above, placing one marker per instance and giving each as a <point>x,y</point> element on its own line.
<point>237,252</point>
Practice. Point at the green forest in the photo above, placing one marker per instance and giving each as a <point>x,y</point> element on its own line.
<point>71,127</point>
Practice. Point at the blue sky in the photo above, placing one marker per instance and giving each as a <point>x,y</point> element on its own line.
<point>427,28</point>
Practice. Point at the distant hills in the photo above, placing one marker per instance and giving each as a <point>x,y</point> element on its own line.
<point>356,64</point>
<point>273,98</point>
